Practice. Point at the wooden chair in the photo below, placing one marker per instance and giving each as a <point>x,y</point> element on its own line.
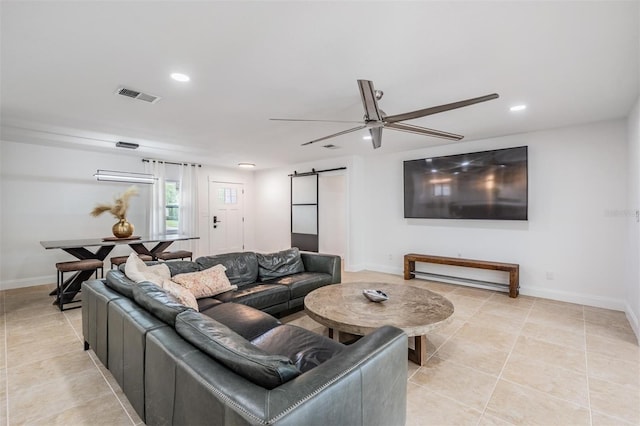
<point>74,266</point>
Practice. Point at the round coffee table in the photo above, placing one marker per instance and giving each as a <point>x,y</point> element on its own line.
<point>344,309</point>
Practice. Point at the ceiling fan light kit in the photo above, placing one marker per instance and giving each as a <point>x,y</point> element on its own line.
<point>375,119</point>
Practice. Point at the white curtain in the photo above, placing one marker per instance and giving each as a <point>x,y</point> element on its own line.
<point>156,217</point>
<point>188,210</point>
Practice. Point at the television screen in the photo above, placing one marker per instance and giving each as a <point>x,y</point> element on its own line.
<point>478,185</point>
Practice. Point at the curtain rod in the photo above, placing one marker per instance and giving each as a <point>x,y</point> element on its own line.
<point>315,172</point>
<point>148,160</point>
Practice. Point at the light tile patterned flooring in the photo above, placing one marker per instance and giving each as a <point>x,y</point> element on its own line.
<point>501,361</point>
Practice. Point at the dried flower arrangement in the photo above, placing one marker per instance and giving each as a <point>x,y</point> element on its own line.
<point>120,206</point>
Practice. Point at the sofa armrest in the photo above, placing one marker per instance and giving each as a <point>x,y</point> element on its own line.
<point>364,385</point>
<point>326,263</point>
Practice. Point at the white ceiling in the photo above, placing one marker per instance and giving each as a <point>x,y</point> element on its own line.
<point>571,62</point>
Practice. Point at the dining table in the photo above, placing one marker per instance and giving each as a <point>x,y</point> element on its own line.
<point>99,248</point>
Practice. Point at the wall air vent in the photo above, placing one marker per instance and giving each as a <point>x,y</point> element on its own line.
<point>129,145</point>
<point>130,93</point>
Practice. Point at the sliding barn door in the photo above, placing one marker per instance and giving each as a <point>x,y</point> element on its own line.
<point>304,212</point>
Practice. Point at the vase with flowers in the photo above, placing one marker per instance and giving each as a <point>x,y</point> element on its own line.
<point>122,229</point>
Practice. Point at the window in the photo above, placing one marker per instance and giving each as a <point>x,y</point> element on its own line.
<point>172,200</point>
<point>228,195</point>
<point>442,190</point>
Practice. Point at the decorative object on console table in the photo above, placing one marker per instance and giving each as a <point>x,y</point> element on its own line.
<point>122,229</point>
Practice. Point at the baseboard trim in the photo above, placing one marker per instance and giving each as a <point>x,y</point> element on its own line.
<point>354,268</point>
<point>27,282</point>
<point>570,297</point>
<point>385,269</point>
<point>633,320</point>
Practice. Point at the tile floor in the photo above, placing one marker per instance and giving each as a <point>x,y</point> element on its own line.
<point>501,361</point>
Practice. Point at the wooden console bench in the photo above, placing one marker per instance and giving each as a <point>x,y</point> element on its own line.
<point>512,268</point>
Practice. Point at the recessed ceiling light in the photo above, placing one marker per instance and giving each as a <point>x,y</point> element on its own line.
<point>518,108</point>
<point>180,77</point>
<point>246,165</point>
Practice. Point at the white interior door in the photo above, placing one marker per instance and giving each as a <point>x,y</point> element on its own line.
<point>226,217</point>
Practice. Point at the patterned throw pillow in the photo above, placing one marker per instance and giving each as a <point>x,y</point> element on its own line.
<point>183,295</point>
<point>206,283</point>
<point>137,271</point>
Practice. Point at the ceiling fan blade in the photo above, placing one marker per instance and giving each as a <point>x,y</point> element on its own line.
<point>440,108</point>
<point>321,121</point>
<point>423,131</point>
<point>369,102</point>
<point>344,132</point>
<point>376,137</point>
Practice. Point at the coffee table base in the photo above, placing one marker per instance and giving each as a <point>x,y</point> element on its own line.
<point>417,355</point>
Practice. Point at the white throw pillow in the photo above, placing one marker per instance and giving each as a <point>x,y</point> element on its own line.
<point>137,271</point>
<point>205,283</point>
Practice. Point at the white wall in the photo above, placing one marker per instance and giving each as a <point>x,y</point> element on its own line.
<point>632,261</point>
<point>574,234</point>
<point>47,192</point>
<point>571,248</point>
<point>579,193</point>
<point>272,203</point>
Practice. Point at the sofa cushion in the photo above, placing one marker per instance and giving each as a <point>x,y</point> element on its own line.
<point>248,322</point>
<point>259,296</point>
<point>205,283</point>
<point>136,270</point>
<point>236,353</point>
<point>175,266</point>
<point>157,301</point>
<point>306,348</point>
<point>242,268</point>
<point>182,267</point>
<point>280,264</point>
<point>302,284</point>
<point>207,303</point>
<point>119,282</point>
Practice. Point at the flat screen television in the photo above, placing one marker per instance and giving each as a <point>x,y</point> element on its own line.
<point>477,185</point>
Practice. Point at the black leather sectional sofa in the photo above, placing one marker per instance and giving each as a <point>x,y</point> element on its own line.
<point>232,363</point>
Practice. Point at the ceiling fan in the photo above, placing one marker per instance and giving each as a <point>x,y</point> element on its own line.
<point>375,119</point>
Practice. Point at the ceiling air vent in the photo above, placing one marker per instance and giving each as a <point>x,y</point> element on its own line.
<point>130,93</point>
<point>330,146</point>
